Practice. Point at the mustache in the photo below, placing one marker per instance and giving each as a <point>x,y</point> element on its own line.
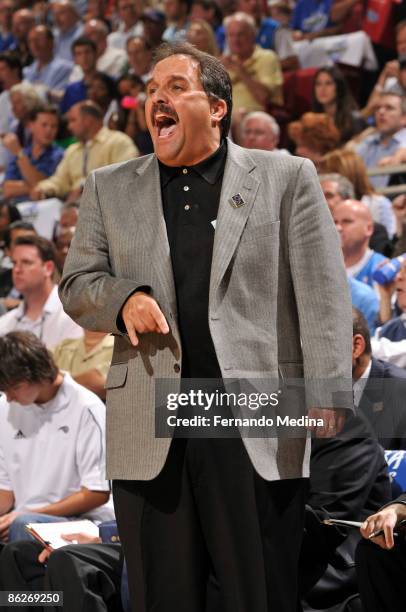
<point>160,107</point>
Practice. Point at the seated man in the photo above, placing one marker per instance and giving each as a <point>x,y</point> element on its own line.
<point>315,18</point>
<point>41,311</point>
<point>87,359</point>
<point>260,130</point>
<point>390,135</point>
<point>381,560</point>
<point>379,389</point>
<point>10,297</point>
<point>98,146</point>
<point>51,439</point>
<point>355,225</point>
<point>36,161</point>
<point>395,328</point>
<point>48,71</point>
<point>255,73</point>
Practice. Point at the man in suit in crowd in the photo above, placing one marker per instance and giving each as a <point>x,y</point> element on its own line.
<point>204,260</point>
<point>379,389</point>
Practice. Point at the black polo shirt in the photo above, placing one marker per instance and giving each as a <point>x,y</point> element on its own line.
<point>190,197</point>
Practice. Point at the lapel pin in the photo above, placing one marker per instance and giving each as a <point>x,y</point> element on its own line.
<point>237,201</point>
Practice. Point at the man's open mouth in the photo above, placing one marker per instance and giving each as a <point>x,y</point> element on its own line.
<point>165,124</point>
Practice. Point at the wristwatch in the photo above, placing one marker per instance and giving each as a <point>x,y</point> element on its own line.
<point>20,154</point>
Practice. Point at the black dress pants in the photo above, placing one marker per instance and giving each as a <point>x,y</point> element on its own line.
<point>88,574</point>
<point>208,534</point>
<point>381,577</point>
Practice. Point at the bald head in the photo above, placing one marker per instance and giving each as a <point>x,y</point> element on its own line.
<point>355,225</point>
<point>23,21</point>
<point>97,31</point>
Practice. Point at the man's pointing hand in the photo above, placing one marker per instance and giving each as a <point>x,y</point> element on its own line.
<point>141,314</point>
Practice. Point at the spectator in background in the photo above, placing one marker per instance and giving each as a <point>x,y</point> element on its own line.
<point>336,188</point>
<point>68,28</point>
<point>62,242</point>
<point>315,18</point>
<point>10,75</point>
<point>132,113</point>
<point>23,22</point>
<point>390,75</point>
<point>47,70</point>
<point>154,26</point>
<point>281,11</point>
<point>332,96</point>
<point>102,90</point>
<point>6,16</point>
<point>314,135</point>
<point>379,389</point>
<point>110,60</point>
<point>355,225</point>
<point>42,403</point>
<point>349,164</point>
<point>395,328</point>
<point>260,131</point>
<point>87,359</point>
<point>36,161</point>
<point>98,146</point>
<point>85,56</point>
<point>41,311</point>
<point>255,73</point>
<point>24,100</point>
<point>177,14</point>
<point>10,296</point>
<point>129,13</point>
<point>139,52</point>
<point>201,35</point>
<point>390,135</point>
<point>210,12</point>
<point>269,34</point>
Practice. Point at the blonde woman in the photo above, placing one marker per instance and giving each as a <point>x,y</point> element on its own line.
<point>201,35</point>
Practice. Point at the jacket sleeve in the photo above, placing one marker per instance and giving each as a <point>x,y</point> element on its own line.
<point>89,291</point>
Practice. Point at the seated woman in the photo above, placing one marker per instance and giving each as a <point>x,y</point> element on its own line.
<point>201,35</point>
<point>331,95</point>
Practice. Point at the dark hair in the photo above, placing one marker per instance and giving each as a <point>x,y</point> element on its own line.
<point>44,247</point>
<point>208,5</point>
<point>82,41</point>
<point>48,109</point>
<point>108,82</point>
<point>18,224</point>
<point>13,62</point>
<point>214,77</point>
<point>360,326</point>
<point>345,102</point>
<point>13,212</point>
<point>24,359</point>
<point>88,107</point>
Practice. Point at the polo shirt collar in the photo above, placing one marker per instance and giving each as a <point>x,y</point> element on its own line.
<point>209,169</point>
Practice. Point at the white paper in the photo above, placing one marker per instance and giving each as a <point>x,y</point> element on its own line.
<point>51,532</point>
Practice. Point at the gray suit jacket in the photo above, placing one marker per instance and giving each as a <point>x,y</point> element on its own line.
<point>278,304</point>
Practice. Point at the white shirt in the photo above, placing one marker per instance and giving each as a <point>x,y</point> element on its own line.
<point>394,352</point>
<point>53,326</point>
<point>359,385</point>
<point>119,38</point>
<point>50,451</point>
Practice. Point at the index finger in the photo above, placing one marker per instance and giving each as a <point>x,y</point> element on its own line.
<point>159,318</point>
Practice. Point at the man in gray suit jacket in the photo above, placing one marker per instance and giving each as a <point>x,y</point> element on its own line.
<point>206,260</point>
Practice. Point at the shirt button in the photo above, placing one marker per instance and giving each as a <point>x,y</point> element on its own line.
<point>186,188</point>
<point>184,171</point>
<point>176,368</point>
<point>187,207</point>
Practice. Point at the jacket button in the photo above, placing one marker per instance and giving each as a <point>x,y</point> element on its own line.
<point>176,368</point>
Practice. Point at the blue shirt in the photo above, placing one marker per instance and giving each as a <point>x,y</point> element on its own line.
<point>75,92</point>
<point>372,150</point>
<point>365,299</point>
<point>6,42</point>
<point>54,75</point>
<point>64,40</point>
<point>312,15</point>
<point>365,274</point>
<point>265,36</point>
<point>45,163</point>
<point>395,329</point>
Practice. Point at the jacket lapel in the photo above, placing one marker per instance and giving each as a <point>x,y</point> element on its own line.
<point>145,188</point>
<point>233,212</point>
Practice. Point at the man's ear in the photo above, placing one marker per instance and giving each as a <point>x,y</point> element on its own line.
<point>358,346</point>
<point>218,110</point>
<point>50,268</point>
